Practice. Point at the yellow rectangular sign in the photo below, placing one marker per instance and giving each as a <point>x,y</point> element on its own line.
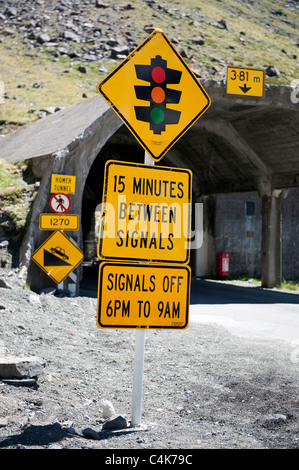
<point>63,184</point>
<point>143,296</point>
<point>245,81</point>
<point>56,221</point>
<point>146,213</point>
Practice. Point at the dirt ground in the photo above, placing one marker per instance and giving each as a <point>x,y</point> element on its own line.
<point>203,387</point>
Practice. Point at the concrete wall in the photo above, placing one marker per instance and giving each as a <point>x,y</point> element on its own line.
<point>238,229</point>
<point>290,235</point>
<point>204,256</point>
<point>238,232</point>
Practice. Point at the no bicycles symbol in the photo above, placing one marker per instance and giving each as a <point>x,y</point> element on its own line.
<point>60,203</point>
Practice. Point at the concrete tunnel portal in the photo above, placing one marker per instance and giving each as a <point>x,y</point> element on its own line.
<point>93,191</point>
<point>240,144</point>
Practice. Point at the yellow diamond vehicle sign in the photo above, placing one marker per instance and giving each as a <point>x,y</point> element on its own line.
<point>156,94</point>
<point>143,296</point>
<point>146,213</point>
<point>245,81</point>
<point>58,256</point>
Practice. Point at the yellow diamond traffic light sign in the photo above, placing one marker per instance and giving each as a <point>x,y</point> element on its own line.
<point>155,94</point>
<point>58,256</point>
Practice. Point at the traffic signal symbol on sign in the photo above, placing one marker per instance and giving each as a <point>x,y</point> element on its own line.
<point>159,76</point>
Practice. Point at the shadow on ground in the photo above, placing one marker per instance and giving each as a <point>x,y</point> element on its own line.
<point>211,292</point>
<point>45,435</point>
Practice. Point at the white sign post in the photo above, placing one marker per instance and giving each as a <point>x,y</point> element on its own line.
<point>139,357</point>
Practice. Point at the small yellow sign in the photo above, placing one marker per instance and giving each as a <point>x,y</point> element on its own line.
<point>58,222</point>
<point>63,184</point>
<point>155,94</point>
<point>143,296</point>
<point>245,81</point>
<point>58,256</point>
<point>146,213</point>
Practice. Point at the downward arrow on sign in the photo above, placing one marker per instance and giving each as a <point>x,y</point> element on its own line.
<point>245,88</point>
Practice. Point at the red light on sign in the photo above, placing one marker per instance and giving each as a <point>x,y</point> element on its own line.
<point>158,75</point>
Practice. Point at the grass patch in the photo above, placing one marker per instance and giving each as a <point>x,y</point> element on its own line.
<point>60,82</point>
<point>11,182</point>
<point>290,285</point>
<point>16,195</point>
<point>254,281</point>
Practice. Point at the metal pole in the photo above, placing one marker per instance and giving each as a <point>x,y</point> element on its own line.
<point>139,357</point>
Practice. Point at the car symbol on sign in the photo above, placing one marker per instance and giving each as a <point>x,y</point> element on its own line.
<point>59,251</point>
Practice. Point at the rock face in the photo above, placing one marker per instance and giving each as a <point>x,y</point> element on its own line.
<point>21,367</point>
<point>57,26</point>
<point>272,71</point>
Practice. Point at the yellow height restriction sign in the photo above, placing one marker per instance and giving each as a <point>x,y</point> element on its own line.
<point>146,213</point>
<point>63,184</point>
<point>155,94</point>
<point>245,81</point>
<point>143,296</point>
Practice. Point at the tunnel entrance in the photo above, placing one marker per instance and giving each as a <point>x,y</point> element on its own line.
<point>92,198</point>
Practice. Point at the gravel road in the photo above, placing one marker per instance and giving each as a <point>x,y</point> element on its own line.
<point>203,388</point>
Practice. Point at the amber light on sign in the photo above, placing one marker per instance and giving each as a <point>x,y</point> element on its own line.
<point>143,296</point>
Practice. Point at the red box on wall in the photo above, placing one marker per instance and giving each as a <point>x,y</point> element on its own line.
<point>223,264</point>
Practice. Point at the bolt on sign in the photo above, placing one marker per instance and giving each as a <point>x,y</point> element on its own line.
<point>146,296</point>
<point>245,81</point>
<point>146,213</point>
<point>155,94</point>
<point>63,184</point>
<point>58,256</point>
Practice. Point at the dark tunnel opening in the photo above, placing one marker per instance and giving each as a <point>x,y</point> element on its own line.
<point>121,147</point>
<point>92,197</point>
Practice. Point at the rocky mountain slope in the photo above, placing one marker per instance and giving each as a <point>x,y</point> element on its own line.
<point>53,53</point>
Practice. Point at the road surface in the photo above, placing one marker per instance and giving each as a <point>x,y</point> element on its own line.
<point>246,311</point>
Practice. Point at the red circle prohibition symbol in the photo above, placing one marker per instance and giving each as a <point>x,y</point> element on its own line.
<point>60,203</point>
